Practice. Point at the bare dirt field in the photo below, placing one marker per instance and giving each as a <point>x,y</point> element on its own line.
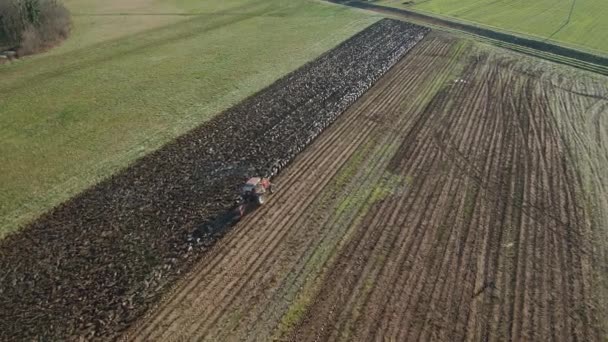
<point>461,198</point>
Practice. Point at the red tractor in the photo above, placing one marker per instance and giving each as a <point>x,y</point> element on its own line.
<point>255,190</point>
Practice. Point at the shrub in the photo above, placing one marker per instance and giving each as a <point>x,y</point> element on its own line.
<point>33,25</point>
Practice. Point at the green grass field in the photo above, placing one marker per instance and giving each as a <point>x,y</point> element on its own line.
<point>541,19</point>
<point>136,74</point>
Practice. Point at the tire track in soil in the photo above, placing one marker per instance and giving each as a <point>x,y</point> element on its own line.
<point>521,271</point>
<point>445,125</point>
<point>409,135</point>
<point>395,283</point>
<point>500,138</point>
<point>437,326</point>
<point>446,150</point>
<point>366,243</point>
<point>583,132</point>
<point>396,280</point>
<point>470,149</point>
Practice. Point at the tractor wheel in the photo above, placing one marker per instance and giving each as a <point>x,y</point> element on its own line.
<point>261,199</point>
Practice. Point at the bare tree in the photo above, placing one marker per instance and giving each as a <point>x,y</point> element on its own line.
<point>11,25</point>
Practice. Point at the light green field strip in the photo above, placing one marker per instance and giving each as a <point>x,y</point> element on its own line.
<point>541,19</point>
<point>124,84</point>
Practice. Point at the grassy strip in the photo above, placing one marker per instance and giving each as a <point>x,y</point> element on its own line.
<point>544,49</point>
<point>576,23</point>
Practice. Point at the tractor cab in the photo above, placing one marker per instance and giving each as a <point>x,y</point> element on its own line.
<point>254,190</point>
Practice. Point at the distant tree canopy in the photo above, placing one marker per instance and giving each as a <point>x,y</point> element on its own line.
<point>33,25</point>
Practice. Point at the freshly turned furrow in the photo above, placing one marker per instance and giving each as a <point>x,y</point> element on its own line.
<point>247,279</point>
<point>387,102</point>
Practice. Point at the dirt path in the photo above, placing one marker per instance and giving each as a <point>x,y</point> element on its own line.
<point>441,206</point>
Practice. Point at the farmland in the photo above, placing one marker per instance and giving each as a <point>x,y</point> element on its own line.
<point>136,74</point>
<point>98,261</point>
<point>575,23</point>
<point>430,186</point>
<point>461,198</point>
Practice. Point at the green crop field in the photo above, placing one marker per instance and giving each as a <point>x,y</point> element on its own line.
<point>580,24</point>
<point>136,74</point>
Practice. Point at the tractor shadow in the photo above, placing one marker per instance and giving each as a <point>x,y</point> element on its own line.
<point>220,225</point>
